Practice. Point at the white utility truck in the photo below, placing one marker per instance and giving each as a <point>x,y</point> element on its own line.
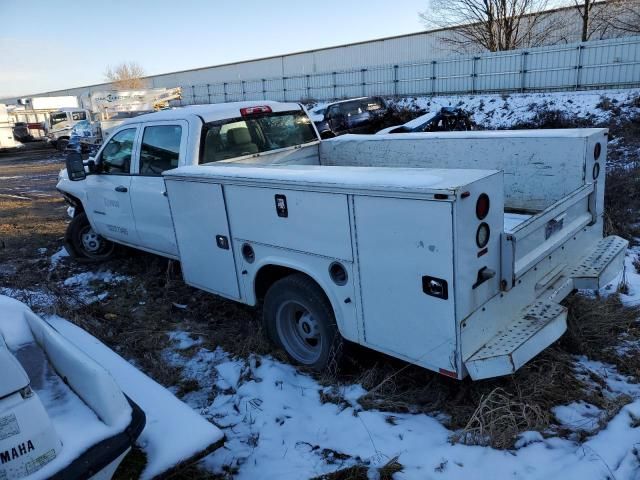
<point>448,250</point>
<point>102,111</point>
<point>36,113</point>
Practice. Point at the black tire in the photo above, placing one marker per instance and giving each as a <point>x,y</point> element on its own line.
<point>61,144</point>
<point>295,309</point>
<point>84,245</point>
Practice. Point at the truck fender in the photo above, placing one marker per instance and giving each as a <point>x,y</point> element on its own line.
<point>348,329</point>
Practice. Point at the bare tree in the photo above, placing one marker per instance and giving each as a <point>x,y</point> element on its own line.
<point>608,18</point>
<point>126,76</point>
<point>584,8</point>
<point>627,17</point>
<point>493,25</point>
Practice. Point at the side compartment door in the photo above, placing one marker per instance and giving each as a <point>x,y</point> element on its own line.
<point>405,252</point>
<point>162,147</point>
<point>108,202</point>
<point>202,231</point>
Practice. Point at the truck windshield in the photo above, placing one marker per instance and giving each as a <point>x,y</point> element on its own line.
<point>58,118</point>
<point>255,134</point>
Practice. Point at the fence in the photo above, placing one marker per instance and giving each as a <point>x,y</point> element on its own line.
<point>611,63</point>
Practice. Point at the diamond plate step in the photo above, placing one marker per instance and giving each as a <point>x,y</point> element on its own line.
<point>602,265</point>
<point>541,324</point>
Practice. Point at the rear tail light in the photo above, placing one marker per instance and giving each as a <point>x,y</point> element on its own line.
<point>482,235</point>
<point>247,111</point>
<point>482,206</point>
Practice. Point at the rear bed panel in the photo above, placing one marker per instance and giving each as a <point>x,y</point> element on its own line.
<point>540,166</point>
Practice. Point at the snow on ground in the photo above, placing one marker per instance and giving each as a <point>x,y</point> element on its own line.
<point>173,432</point>
<point>276,426</point>
<point>33,298</point>
<point>84,279</point>
<point>495,111</point>
<point>503,111</point>
<point>57,257</point>
<point>629,277</point>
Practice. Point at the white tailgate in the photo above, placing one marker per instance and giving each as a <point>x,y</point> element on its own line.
<point>399,242</point>
<point>200,218</point>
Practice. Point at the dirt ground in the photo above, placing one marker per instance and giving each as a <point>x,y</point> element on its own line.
<point>136,316</point>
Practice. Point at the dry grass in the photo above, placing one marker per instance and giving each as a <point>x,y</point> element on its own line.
<point>595,327</point>
<point>363,472</point>
<point>622,203</point>
<point>500,418</point>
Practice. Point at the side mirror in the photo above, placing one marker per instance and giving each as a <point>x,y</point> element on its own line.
<point>326,134</point>
<point>75,167</point>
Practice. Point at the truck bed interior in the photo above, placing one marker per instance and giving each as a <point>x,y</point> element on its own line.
<point>524,196</point>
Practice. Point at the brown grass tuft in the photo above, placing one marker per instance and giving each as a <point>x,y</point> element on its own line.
<point>499,419</point>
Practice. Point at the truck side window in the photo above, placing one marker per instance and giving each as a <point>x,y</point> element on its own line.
<point>160,149</point>
<point>78,116</point>
<point>116,156</point>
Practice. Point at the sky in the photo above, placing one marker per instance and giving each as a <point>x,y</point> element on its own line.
<point>47,45</point>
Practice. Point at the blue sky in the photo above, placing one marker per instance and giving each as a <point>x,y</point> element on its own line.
<point>48,45</point>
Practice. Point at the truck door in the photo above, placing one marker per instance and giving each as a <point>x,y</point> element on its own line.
<point>108,202</point>
<point>202,232</point>
<point>162,147</point>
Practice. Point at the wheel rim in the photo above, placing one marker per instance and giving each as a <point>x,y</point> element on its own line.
<point>299,332</point>
<point>93,244</point>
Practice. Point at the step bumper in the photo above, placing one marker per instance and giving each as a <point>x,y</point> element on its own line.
<point>602,265</point>
<point>539,325</point>
<point>544,321</point>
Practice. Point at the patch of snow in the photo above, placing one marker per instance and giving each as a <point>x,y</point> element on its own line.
<point>578,416</point>
<point>85,278</point>
<point>36,299</point>
<point>617,383</point>
<point>83,289</point>
<point>182,340</point>
<point>174,432</point>
<point>56,257</point>
<point>527,438</point>
<point>630,277</point>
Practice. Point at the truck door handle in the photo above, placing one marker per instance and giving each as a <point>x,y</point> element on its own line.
<point>121,188</point>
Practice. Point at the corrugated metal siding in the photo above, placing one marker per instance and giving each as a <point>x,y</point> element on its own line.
<point>410,65</point>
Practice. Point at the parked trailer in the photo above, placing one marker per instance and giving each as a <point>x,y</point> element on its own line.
<point>366,238</point>
<point>7,139</point>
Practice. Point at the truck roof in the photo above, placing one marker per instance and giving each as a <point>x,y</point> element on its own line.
<point>213,112</point>
<point>406,180</point>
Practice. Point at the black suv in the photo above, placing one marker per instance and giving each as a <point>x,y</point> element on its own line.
<point>359,115</point>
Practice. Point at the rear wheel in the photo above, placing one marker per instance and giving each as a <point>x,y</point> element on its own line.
<point>299,318</point>
<point>84,244</point>
<point>61,144</point>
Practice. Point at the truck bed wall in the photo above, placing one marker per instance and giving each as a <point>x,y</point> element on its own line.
<point>538,169</point>
<point>307,155</point>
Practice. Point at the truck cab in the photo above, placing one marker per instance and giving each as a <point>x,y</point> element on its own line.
<point>123,199</point>
<point>60,124</point>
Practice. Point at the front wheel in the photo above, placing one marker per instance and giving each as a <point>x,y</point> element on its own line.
<point>299,318</point>
<point>84,244</point>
